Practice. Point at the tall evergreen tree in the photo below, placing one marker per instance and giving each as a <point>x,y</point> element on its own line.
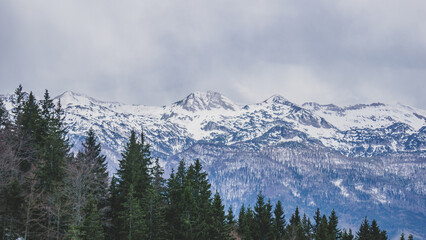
<point>133,225</point>
<point>218,228</point>
<point>402,237</point>
<point>322,231</point>
<point>263,219</point>
<point>91,227</point>
<point>97,179</point>
<point>157,205</point>
<point>410,237</point>
<point>133,171</point>
<point>364,230</point>
<point>295,228</point>
<point>279,223</point>
<point>347,235</point>
<point>333,230</point>
<point>317,221</point>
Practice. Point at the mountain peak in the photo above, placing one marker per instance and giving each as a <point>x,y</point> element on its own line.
<point>74,98</point>
<point>276,99</point>
<point>209,100</point>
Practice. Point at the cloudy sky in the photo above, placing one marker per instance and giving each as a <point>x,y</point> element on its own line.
<point>156,52</point>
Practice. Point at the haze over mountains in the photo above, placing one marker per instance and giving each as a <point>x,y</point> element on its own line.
<point>361,159</point>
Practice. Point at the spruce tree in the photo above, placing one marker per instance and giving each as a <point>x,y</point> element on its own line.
<point>263,219</point>
<point>218,228</point>
<point>402,237</point>
<point>317,221</point>
<point>97,183</point>
<point>91,227</point>
<point>157,205</point>
<point>133,225</point>
<point>364,230</point>
<point>279,223</point>
<point>133,171</point>
<point>333,230</point>
<point>410,237</point>
<point>322,231</point>
<point>347,235</point>
<point>241,220</point>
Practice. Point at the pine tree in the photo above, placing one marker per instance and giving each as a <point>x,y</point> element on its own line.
<point>295,228</point>
<point>230,222</point>
<point>54,148</point>
<point>133,171</point>
<point>333,230</point>
<point>322,231</point>
<point>263,219</point>
<point>410,237</point>
<point>306,227</point>
<point>91,227</point>
<point>157,205</point>
<point>97,184</point>
<point>133,219</point>
<point>402,236</point>
<point>279,223</point>
<point>250,226</point>
<point>347,235</point>
<point>218,228</point>
<point>241,220</point>
<point>317,219</point>
<point>364,230</point>
<point>230,218</point>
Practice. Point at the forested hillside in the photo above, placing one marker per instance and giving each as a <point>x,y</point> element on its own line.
<point>47,192</point>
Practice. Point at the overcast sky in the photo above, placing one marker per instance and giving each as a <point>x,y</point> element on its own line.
<point>156,52</point>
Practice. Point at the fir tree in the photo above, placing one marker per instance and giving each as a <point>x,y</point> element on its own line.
<point>91,227</point>
<point>241,220</point>
<point>364,230</point>
<point>333,230</point>
<point>347,235</point>
<point>218,228</point>
<point>402,236</point>
<point>295,228</point>
<point>133,225</point>
<point>279,223</point>
<point>322,231</point>
<point>157,205</point>
<point>98,174</point>
<point>410,237</point>
<point>263,219</point>
<point>317,221</point>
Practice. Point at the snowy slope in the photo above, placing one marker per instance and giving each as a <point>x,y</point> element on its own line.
<point>361,159</point>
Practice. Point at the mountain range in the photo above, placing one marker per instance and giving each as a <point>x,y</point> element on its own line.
<point>361,160</point>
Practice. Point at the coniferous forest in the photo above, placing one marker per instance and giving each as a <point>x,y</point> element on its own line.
<point>47,192</point>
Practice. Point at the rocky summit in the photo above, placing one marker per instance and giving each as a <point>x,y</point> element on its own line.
<point>366,159</point>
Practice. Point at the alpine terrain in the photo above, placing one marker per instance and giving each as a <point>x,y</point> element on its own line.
<point>361,160</point>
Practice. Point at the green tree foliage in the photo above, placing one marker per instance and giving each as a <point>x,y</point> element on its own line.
<point>347,235</point>
<point>133,225</point>
<point>44,191</point>
<point>279,223</point>
<point>218,227</point>
<point>263,219</point>
<point>91,227</point>
<point>333,230</point>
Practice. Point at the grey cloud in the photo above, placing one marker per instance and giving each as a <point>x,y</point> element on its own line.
<point>155,52</point>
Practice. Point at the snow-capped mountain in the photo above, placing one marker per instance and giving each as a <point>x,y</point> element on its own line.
<point>361,159</point>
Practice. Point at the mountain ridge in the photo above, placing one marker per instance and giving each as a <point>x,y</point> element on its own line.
<point>363,159</point>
